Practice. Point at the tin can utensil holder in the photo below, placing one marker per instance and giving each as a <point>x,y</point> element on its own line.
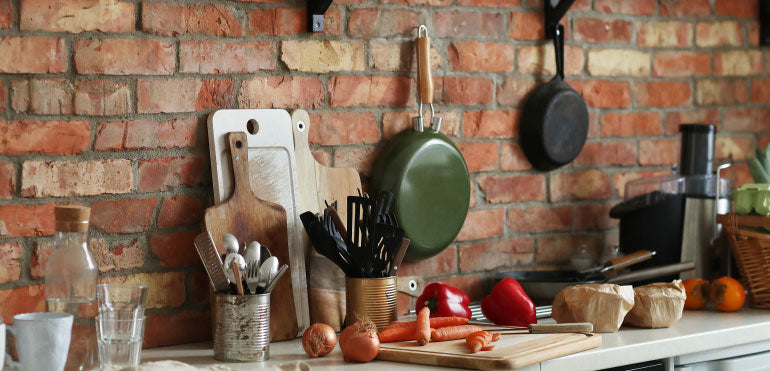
<point>374,298</point>
<point>241,327</point>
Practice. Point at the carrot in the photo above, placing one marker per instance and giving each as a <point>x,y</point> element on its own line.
<point>496,336</point>
<point>390,335</point>
<point>435,322</point>
<point>478,340</point>
<point>423,326</point>
<point>488,347</point>
<point>453,332</point>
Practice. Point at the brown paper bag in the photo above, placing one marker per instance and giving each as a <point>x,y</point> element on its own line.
<point>657,305</point>
<point>603,305</point>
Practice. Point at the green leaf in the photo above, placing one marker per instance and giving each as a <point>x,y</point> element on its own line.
<point>758,171</point>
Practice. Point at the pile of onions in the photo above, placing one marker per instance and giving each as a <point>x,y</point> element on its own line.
<point>319,340</point>
<point>359,342</point>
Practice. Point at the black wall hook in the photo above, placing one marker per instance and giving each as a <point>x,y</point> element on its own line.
<point>554,11</point>
<point>315,14</point>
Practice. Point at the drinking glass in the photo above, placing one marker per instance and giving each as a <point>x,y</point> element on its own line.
<point>122,301</point>
<point>119,339</point>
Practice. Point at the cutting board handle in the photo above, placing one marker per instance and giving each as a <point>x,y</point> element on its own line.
<point>239,153</point>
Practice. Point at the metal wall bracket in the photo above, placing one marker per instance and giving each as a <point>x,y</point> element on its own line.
<point>315,14</point>
<point>554,12</point>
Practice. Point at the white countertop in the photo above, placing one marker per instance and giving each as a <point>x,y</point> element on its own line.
<point>697,331</point>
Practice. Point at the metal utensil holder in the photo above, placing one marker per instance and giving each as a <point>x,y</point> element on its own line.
<point>374,298</point>
<point>241,327</point>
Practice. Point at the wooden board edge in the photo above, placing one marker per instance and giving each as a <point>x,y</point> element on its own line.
<point>589,342</point>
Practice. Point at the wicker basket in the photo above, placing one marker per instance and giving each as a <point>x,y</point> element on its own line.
<point>752,254</point>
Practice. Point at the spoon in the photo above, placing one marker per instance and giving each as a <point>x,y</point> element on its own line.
<point>230,243</point>
<point>275,279</point>
<point>264,254</point>
<point>267,270</point>
<point>252,252</point>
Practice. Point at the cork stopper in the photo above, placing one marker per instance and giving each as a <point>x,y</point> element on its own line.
<point>72,218</point>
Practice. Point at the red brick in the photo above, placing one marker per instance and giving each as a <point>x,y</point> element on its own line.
<point>102,97</point>
<point>470,285</point>
<point>740,175</point>
<point>526,25</point>
<point>383,22</point>
<point>491,124</point>
<point>200,287</point>
<point>539,60</point>
<point>517,188</point>
<point>125,57</point>
<point>392,55</point>
<point>6,14</point>
<point>737,8</point>
<point>396,122</point>
<point>39,258</point>
<point>323,157</point>
<point>514,89</point>
<point>480,156</point>
<point>33,54</point>
<point>121,256</point>
<point>281,92</point>
<point>340,128</point>
<point>658,152</point>
<point>637,7</point>
<point>595,216</point>
<point>183,95</point>
<point>685,8</point>
<point>123,216</point>
<point>681,64</point>
<point>226,57</point>
<point>490,3</point>
<point>476,56</point>
<point>122,135</point>
<point>164,290</point>
<point>290,21</point>
<point>48,137</point>
<point>733,148</point>
<point>604,94</point>
<point>487,256</point>
<point>77,15</point>
<point>157,174</point>
<point>540,219</point>
<point>631,124</point>
<point>405,2</point>
<point>760,91</point>
<point>721,92</point>
<point>175,249</point>
<point>747,119</point>
<point>753,33</point>
<point>177,328</point>
<point>320,56</point>
<point>674,119</point>
<point>180,19</point>
<point>180,210</point>
<point>370,91</point>
<point>662,94</point>
<point>558,249</point>
<point>664,33</point>
<point>588,184</point>
<point>467,90</point>
<point>454,23</point>
<point>737,63</point>
<point>85,178</point>
<point>444,262</point>
<point>512,157</point>
<point>361,159</point>
<point>618,62</point>
<point>26,220</point>
<point>10,261</point>
<point>597,30</point>
<point>619,180</point>
<point>718,34</point>
<point>23,299</point>
<point>7,179</point>
<point>480,224</point>
<point>607,154</point>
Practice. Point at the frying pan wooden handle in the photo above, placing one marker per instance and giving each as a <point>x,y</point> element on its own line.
<point>634,256</point>
<point>424,75</point>
<point>239,154</point>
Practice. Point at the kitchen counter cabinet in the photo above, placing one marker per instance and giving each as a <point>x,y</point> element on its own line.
<point>691,339</point>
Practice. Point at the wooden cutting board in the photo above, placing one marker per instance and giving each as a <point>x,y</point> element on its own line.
<point>273,177</point>
<point>250,219</point>
<point>319,184</point>
<point>511,351</point>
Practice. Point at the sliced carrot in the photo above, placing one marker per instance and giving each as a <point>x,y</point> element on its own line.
<point>478,340</point>
<point>453,332</point>
<point>397,334</point>
<point>435,322</point>
<point>488,347</point>
<point>496,336</point>
<point>423,326</point>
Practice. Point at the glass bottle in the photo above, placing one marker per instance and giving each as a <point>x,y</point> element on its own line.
<point>70,283</point>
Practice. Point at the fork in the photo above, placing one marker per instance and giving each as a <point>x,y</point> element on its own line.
<point>252,276</point>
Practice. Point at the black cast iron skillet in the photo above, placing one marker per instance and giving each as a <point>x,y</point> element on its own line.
<point>554,123</point>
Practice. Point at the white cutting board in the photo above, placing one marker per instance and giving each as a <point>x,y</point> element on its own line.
<point>273,176</point>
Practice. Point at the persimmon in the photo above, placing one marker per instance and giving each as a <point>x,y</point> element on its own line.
<point>697,293</point>
<point>727,294</point>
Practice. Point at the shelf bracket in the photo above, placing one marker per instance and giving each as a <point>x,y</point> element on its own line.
<point>315,14</point>
<point>554,12</point>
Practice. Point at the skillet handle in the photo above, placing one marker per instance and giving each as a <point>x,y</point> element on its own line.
<point>558,49</point>
<point>424,75</point>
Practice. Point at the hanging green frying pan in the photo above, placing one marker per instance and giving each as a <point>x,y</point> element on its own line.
<point>426,173</point>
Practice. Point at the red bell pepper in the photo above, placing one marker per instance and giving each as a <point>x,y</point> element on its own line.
<point>509,305</point>
<point>444,301</point>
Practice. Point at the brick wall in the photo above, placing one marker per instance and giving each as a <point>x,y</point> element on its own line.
<point>104,103</point>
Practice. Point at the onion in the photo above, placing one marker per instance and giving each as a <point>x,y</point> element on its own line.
<point>359,342</point>
<point>319,340</point>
